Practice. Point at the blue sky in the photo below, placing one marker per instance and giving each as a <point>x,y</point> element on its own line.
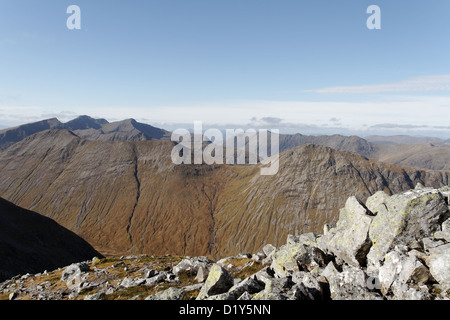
<point>302,66</point>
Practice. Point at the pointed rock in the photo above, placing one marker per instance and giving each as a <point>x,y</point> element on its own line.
<point>219,281</point>
<point>351,240</point>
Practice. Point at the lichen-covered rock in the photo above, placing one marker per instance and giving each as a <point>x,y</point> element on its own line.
<point>312,258</point>
<point>219,281</point>
<point>406,218</point>
<point>268,249</point>
<point>191,265</point>
<point>284,261</point>
<point>250,285</point>
<point>351,240</point>
<point>444,234</point>
<point>300,251</point>
<point>439,263</point>
<point>264,275</point>
<point>329,272</point>
<point>375,200</point>
<point>306,287</point>
<point>351,284</point>
<point>275,289</point>
<point>73,270</point>
<point>400,269</point>
<point>305,238</point>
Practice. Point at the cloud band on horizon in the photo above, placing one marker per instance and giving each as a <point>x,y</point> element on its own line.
<point>416,84</point>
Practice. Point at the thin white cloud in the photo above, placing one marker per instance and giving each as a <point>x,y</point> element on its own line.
<point>417,84</point>
<point>401,113</point>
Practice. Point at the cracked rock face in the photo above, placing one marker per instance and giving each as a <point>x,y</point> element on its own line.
<point>406,218</point>
<point>351,240</point>
<point>439,262</point>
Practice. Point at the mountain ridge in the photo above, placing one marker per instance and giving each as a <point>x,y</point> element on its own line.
<point>88,128</point>
<point>423,153</point>
<point>111,192</point>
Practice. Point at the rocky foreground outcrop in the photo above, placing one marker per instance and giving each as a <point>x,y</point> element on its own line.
<point>390,247</point>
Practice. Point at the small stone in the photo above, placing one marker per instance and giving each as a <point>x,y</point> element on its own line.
<point>12,295</point>
<point>246,296</point>
<point>202,274</point>
<point>268,249</point>
<point>169,294</point>
<point>95,296</point>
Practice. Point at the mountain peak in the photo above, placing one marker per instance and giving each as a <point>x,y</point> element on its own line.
<point>84,122</point>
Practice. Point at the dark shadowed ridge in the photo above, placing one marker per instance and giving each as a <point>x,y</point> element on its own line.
<point>32,243</point>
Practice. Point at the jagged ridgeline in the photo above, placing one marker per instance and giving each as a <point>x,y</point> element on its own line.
<point>128,197</point>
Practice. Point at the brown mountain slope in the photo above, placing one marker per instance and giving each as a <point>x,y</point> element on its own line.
<point>31,243</point>
<point>128,196</point>
<point>312,183</point>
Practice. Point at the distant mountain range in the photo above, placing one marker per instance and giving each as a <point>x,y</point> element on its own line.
<point>128,196</point>
<point>423,153</point>
<point>32,243</point>
<point>88,128</point>
<point>402,139</point>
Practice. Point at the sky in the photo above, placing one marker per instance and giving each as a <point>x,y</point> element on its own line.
<point>311,66</point>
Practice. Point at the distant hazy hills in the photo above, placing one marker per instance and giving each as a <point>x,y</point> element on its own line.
<point>423,153</point>
<point>88,128</point>
<point>351,144</point>
<point>32,243</point>
<point>402,139</point>
<point>127,196</point>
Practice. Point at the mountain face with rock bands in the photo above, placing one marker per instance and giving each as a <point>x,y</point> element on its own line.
<point>127,197</point>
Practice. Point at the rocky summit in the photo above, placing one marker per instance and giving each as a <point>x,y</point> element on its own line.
<point>387,247</point>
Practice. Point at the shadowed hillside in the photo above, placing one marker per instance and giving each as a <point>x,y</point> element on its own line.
<point>31,243</point>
